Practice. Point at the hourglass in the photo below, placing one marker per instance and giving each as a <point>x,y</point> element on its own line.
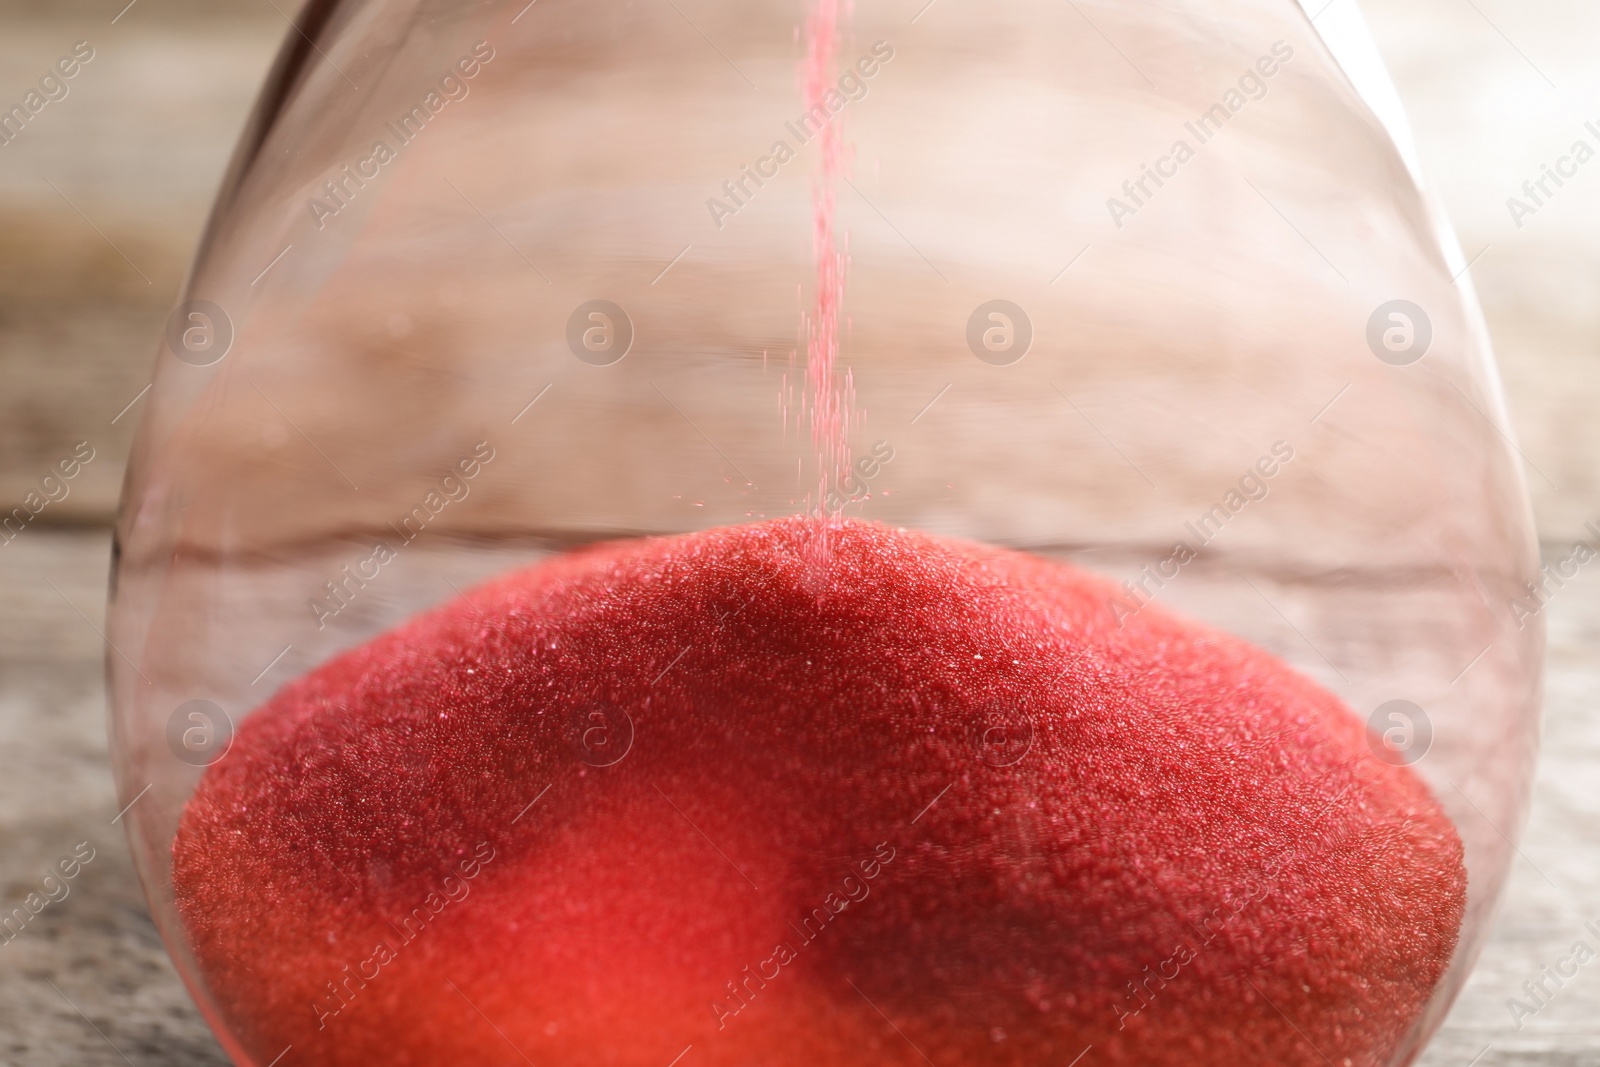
<point>691,533</point>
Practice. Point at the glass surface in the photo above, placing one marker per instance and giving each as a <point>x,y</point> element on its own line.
<point>1141,290</point>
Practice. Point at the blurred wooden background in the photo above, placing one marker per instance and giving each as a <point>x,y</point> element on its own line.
<point>102,197</point>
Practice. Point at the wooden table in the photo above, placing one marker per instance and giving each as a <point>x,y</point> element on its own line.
<point>88,982</point>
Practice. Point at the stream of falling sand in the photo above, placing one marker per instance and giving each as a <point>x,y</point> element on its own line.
<point>830,397</point>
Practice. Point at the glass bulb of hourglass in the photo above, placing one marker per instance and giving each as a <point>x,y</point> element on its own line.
<point>790,532</point>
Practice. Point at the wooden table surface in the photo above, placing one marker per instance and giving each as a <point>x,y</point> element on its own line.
<point>88,982</point>
<point>1493,90</point>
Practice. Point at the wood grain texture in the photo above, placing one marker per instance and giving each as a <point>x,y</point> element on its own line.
<point>99,947</point>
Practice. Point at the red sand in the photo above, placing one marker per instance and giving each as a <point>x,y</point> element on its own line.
<point>1191,816</point>
<point>831,400</point>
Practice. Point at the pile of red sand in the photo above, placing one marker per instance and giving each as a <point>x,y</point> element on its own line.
<point>1187,855</point>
